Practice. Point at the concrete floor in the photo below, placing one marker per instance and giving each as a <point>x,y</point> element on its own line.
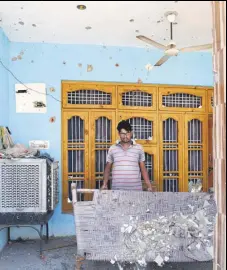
<point>60,255</point>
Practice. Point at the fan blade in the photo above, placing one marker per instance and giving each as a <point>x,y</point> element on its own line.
<point>197,48</point>
<point>152,42</point>
<point>162,60</point>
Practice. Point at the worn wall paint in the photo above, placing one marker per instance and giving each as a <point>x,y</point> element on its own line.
<point>49,63</point>
<point>4,98</point>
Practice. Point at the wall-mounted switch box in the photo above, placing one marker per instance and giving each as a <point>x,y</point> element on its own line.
<point>39,144</point>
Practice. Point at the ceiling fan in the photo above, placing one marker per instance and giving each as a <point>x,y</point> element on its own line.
<point>171,49</point>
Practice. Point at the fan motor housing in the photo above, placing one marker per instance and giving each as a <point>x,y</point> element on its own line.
<point>172,52</point>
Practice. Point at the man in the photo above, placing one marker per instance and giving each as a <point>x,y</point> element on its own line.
<point>127,161</point>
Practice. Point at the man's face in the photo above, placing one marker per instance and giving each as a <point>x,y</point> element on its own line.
<point>125,135</point>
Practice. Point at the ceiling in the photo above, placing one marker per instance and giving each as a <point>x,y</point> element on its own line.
<point>110,23</point>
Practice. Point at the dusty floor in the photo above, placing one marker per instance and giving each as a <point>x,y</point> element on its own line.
<point>60,255</point>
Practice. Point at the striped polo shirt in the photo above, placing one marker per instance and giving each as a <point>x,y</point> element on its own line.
<point>126,173</point>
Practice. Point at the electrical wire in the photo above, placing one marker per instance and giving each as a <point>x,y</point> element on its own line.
<point>28,88</point>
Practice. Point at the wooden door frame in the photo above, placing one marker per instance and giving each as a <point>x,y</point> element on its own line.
<point>219,131</point>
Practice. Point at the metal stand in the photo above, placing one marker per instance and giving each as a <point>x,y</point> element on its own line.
<point>8,220</point>
<point>40,233</point>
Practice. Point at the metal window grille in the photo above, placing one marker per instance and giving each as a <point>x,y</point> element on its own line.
<point>99,183</point>
<point>195,146</point>
<point>172,146</point>
<point>170,135</point>
<point>194,131</point>
<point>171,185</point>
<point>181,100</point>
<point>195,151</point>
<point>195,158</point>
<point>195,174</point>
<point>142,128</point>
<point>75,161</point>
<point>137,98</point>
<point>170,160</point>
<point>170,131</point>
<point>149,163</point>
<point>76,140</point>
<point>75,130</point>
<point>103,130</point>
<point>168,174</point>
<point>100,160</point>
<point>90,97</point>
<point>170,156</point>
<point>103,139</point>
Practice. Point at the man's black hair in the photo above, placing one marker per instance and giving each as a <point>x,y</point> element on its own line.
<point>124,125</point>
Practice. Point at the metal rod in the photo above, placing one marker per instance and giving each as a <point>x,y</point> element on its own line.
<point>140,127</point>
<point>79,130</point>
<point>86,190</point>
<point>47,232</point>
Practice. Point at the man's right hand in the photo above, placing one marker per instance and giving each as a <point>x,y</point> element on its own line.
<point>104,187</point>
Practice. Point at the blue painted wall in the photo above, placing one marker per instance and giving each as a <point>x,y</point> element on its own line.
<point>50,63</point>
<point>4,98</point>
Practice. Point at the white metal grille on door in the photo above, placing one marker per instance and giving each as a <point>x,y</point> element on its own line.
<point>181,100</point>
<point>76,154</point>
<point>149,163</point>
<point>170,156</point>
<point>195,151</point>
<point>103,141</point>
<point>137,98</point>
<point>142,128</point>
<point>92,97</point>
